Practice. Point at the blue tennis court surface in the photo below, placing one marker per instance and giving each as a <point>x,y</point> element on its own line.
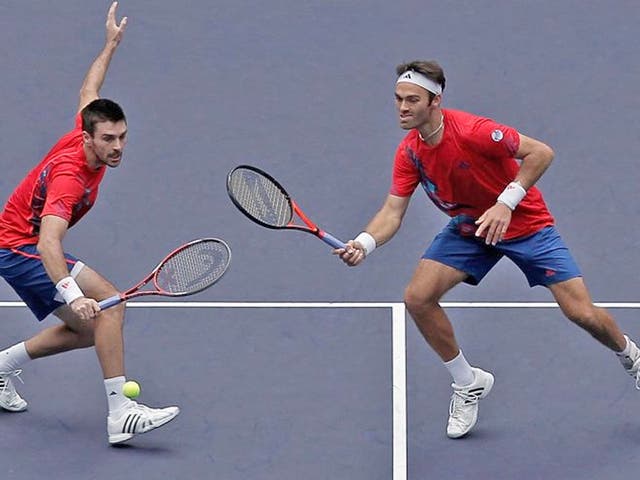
<point>304,90</point>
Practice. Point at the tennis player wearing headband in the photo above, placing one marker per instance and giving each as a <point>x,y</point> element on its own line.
<point>52,198</point>
<point>468,166</point>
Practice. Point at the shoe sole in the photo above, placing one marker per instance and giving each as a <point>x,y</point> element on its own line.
<point>14,409</point>
<point>123,437</point>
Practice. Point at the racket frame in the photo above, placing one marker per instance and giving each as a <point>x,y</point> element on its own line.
<point>310,227</point>
<point>135,291</point>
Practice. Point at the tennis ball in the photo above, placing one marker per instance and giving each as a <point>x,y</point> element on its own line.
<point>131,389</point>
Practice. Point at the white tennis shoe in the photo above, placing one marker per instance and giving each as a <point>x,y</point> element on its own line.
<point>463,409</point>
<point>137,418</point>
<point>9,398</point>
<point>631,362</point>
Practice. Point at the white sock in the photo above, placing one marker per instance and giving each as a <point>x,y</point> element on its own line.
<point>629,355</point>
<point>460,370</point>
<point>115,397</point>
<point>13,357</point>
<point>627,348</point>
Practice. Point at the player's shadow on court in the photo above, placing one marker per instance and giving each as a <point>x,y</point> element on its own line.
<point>140,448</point>
<point>482,434</point>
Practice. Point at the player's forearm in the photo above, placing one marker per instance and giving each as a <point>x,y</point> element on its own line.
<point>532,168</point>
<point>383,227</point>
<point>52,231</point>
<point>535,158</point>
<point>387,221</point>
<point>533,165</point>
<point>52,255</point>
<point>97,72</point>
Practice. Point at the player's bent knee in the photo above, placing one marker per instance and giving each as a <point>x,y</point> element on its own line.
<point>415,300</point>
<point>113,314</point>
<point>585,316</point>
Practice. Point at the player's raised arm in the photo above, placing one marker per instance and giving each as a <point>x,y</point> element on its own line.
<point>94,78</point>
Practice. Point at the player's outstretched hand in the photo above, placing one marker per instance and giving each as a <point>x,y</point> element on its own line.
<point>115,31</point>
<point>353,255</point>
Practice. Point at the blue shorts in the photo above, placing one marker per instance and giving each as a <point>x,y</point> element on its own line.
<point>23,269</point>
<point>543,257</point>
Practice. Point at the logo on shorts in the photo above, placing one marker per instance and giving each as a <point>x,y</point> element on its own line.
<point>467,229</point>
<point>549,273</point>
<point>497,135</point>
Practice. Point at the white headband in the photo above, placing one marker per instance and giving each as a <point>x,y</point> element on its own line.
<point>411,76</point>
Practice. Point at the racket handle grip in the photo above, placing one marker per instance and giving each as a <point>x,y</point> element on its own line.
<point>331,240</point>
<point>109,302</point>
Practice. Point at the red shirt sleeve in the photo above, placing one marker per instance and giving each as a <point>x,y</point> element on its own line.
<point>406,176</point>
<point>64,191</point>
<point>494,140</point>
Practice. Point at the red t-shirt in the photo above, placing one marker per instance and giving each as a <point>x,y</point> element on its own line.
<point>467,170</point>
<point>62,184</point>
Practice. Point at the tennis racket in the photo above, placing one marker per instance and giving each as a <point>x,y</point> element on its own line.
<point>261,198</point>
<point>189,269</point>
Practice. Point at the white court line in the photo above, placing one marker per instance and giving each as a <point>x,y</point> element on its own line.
<point>399,380</point>
<point>170,304</point>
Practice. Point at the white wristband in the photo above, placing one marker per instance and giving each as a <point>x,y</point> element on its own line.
<point>69,289</point>
<point>512,195</point>
<point>367,241</point>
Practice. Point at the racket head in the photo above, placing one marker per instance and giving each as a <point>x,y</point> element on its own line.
<point>260,197</point>
<point>192,267</point>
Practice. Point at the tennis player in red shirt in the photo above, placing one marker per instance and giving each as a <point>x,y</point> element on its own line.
<point>55,195</point>
<point>482,174</point>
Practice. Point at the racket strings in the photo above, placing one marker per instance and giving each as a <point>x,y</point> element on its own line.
<point>260,198</point>
<point>193,268</point>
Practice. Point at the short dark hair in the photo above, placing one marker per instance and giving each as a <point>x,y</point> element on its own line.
<point>429,68</point>
<point>100,110</point>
